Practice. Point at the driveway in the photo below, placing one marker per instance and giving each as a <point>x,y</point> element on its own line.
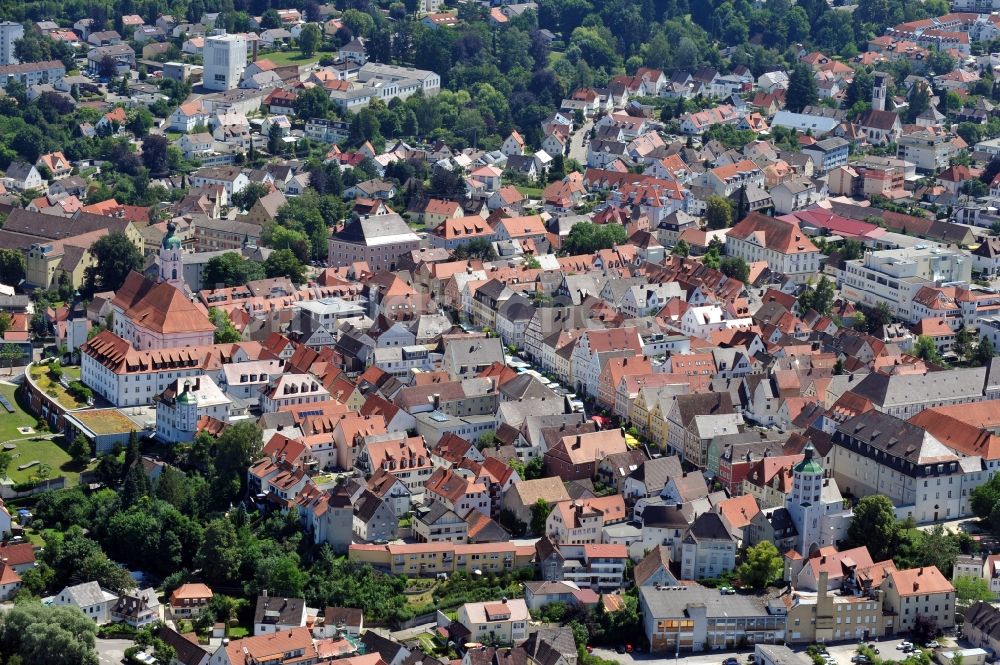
<point>112,652</point>
<point>577,150</point>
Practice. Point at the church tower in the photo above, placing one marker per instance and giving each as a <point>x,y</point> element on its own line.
<point>171,265</point>
<point>803,504</point>
<point>879,91</point>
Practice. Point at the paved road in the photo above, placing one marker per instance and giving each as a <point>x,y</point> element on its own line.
<point>112,652</point>
<point>577,150</point>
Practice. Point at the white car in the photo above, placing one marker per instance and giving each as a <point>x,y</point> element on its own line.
<point>933,644</point>
<point>903,645</point>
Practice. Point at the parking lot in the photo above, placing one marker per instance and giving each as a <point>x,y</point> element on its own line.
<point>842,652</point>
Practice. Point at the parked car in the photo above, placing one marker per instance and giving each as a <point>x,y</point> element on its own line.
<point>730,661</point>
<point>933,644</point>
<point>903,645</point>
<point>861,659</point>
<point>727,590</point>
<point>628,648</point>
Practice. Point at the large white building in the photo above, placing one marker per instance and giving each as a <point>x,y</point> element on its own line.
<point>225,59</point>
<point>780,242</point>
<point>10,32</point>
<point>876,453</point>
<point>893,276</point>
<point>126,377</point>
<point>180,406</point>
<point>380,81</point>
<point>928,149</point>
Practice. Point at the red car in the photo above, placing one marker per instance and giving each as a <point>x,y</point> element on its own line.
<point>590,649</point>
<point>628,648</point>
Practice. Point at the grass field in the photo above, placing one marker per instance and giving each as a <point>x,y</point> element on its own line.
<point>530,192</point>
<point>293,57</point>
<point>9,422</point>
<point>46,452</point>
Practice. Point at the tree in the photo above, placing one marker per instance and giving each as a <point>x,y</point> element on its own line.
<point>587,237</point>
<point>274,139</point>
<point>250,194</point>
<point>735,267</point>
<point>925,349</point>
<point>284,263</point>
<point>963,346</point>
<point>79,450</point>
<point>270,19</point>
<point>763,565</point>
<point>718,212</point>
<point>220,556</point>
<point>115,257</point>
<point>681,249</point>
<point>479,248</point>
<point>312,103</point>
<point>139,122</point>
<point>156,154</point>
<point>539,513</point>
<point>938,547</point>
<point>919,101</point>
<point>534,469</point>
<point>802,90</point>
<point>874,525</point>
<point>984,352</point>
<point>971,589</point>
<point>309,39</point>
<point>59,635</point>
<point>819,299</point>
<point>225,331</point>
<point>230,269</point>
<point>107,68</point>
<point>11,267</point>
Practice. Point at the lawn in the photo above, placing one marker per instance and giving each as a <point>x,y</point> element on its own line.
<point>40,375</point>
<point>237,632</point>
<point>46,452</point>
<point>282,58</point>
<point>530,192</point>
<point>9,422</point>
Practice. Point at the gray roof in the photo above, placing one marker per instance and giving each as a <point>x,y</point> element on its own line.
<point>88,593</point>
<point>900,389</point>
<point>674,602</point>
<point>709,526</point>
<point>894,437</point>
<point>280,611</point>
<point>515,413</point>
<point>664,516</point>
<point>372,229</point>
<point>654,473</point>
<point>19,170</point>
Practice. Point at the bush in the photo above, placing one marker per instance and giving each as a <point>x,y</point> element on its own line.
<point>79,391</point>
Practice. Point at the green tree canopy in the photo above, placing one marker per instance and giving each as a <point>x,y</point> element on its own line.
<point>802,91</point>
<point>116,257</point>
<point>874,525</point>
<point>284,263</point>
<point>718,212</point>
<point>58,635</point>
<point>230,269</point>
<point>587,237</point>
<point>763,565</point>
